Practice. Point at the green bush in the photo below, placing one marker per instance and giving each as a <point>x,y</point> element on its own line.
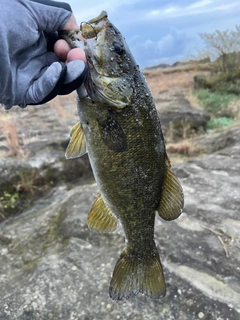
<point>216,123</point>
<point>214,102</point>
<point>226,82</point>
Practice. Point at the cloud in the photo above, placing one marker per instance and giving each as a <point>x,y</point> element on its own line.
<point>162,31</point>
<point>200,4</point>
<point>197,8</point>
<point>176,45</point>
<point>83,10</point>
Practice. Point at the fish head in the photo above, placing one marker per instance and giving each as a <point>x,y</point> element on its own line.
<point>111,66</point>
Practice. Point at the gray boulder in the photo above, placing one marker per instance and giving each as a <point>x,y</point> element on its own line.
<point>178,118</point>
<point>218,140</point>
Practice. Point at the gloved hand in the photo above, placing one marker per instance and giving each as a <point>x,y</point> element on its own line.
<point>30,72</point>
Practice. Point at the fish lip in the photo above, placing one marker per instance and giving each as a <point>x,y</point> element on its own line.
<point>88,30</point>
<point>90,34</point>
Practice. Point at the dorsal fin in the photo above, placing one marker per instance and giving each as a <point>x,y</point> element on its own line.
<point>172,199</point>
<point>77,145</point>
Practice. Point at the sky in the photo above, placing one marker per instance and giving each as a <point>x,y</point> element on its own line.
<point>162,31</point>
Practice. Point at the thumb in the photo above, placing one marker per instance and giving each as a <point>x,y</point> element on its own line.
<point>47,86</point>
<point>59,78</point>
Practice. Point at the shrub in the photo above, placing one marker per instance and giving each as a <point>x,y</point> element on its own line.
<point>226,82</point>
<point>214,102</point>
<point>216,123</point>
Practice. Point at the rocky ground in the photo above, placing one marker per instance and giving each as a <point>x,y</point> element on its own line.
<point>53,267</point>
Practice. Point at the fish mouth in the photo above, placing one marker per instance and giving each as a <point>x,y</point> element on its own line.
<point>102,84</point>
<point>88,33</point>
<point>93,40</point>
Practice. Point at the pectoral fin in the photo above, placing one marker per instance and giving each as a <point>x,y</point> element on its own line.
<point>172,199</point>
<point>77,145</point>
<point>100,217</point>
<point>112,134</point>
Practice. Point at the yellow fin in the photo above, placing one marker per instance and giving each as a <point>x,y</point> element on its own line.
<point>100,217</point>
<point>77,145</point>
<point>134,274</point>
<point>172,199</point>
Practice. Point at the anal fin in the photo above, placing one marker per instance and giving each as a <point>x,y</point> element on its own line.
<point>77,145</point>
<point>172,199</point>
<point>100,217</point>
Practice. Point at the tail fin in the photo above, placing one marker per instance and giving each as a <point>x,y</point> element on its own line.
<point>133,274</point>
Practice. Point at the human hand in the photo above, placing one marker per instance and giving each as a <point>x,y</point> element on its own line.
<point>62,48</point>
<point>30,72</point>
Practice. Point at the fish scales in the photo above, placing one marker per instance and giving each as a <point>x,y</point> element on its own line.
<point>131,185</point>
<point>120,129</point>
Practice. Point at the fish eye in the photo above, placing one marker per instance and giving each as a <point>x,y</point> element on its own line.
<point>118,48</point>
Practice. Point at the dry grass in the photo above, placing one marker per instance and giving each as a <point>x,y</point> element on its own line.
<point>185,147</point>
<point>57,104</point>
<point>192,98</point>
<point>234,108</point>
<point>9,132</point>
<point>160,80</point>
<point>21,127</point>
<point>64,105</point>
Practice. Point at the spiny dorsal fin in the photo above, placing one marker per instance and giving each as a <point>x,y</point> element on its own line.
<point>77,145</point>
<point>100,217</point>
<point>172,199</point>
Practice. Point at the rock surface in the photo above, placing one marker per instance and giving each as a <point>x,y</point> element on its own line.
<point>53,267</point>
<point>216,141</point>
<point>178,118</point>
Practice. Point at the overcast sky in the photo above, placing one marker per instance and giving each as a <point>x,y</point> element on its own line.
<point>162,31</point>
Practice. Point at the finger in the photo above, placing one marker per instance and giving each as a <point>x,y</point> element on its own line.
<point>48,85</point>
<point>71,23</point>
<point>65,53</point>
<point>76,54</point>
<point>61,49</point>
<point>59,78</point>
<point>51,16</point>
<point>75,75</point>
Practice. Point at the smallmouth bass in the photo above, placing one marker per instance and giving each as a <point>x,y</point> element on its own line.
<point>120,129</point>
